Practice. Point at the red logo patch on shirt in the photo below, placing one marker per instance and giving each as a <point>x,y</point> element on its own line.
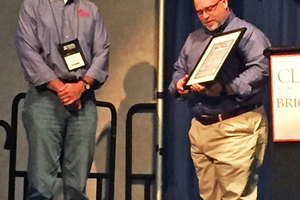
<point>82,13</point>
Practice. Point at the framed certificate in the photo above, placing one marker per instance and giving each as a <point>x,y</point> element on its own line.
<point>213,56</point>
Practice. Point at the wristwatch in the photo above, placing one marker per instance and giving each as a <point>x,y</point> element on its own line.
<point>87,86</point>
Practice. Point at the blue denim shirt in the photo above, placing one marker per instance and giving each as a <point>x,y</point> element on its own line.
<point>44,24</point>
<point>246,70</point>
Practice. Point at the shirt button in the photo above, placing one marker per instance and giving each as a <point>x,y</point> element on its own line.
<point>67,36</point>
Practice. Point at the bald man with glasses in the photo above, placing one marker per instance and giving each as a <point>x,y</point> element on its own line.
<point>228,132</point>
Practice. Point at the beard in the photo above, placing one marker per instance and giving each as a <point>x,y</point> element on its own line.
<point>212,26</point>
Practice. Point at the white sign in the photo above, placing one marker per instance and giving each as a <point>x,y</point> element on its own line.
<point>285,97</point>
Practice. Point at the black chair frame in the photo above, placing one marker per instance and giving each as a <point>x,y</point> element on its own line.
<point>131,177</point>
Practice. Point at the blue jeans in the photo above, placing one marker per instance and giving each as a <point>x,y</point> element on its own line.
<point>58,137</point>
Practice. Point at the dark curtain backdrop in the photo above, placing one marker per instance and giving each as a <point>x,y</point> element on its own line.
<point>279,20</point>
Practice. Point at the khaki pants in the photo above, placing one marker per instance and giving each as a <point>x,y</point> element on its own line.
<point>228,154</point>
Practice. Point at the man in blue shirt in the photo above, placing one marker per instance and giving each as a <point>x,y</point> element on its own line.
<point>63,48</point>
<point>228,133</point>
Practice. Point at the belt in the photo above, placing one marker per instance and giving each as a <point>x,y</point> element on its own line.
<point>208,120</point>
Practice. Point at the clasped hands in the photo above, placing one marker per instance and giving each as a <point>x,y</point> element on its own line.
<point>213,89</point>
<point>70,94</point>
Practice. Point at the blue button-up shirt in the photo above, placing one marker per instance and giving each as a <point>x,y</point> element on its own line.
<point>44,24</point>
<point>246,70</point>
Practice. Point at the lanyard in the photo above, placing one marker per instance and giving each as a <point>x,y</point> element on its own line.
<point>76,7</point>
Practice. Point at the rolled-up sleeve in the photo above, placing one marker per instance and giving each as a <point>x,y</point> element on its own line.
<point>180,70</point>
<point>28,48</point>
<point>100,61</point>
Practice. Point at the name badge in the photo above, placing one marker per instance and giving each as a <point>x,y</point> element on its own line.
<point>72,55</point>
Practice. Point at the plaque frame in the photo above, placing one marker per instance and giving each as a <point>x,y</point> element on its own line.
<point>215,54</point>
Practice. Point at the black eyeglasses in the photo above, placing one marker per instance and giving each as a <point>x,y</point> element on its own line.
<point>209,9</point>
